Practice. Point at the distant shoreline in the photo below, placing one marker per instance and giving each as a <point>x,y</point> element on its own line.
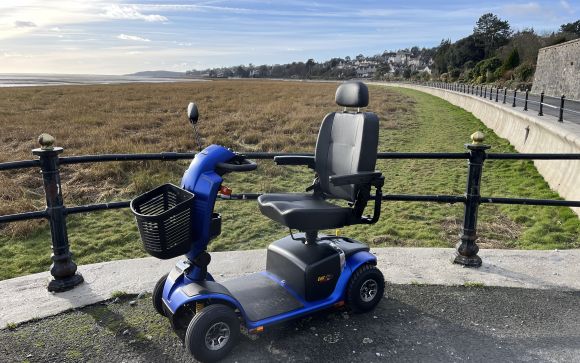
<point>38,80</point>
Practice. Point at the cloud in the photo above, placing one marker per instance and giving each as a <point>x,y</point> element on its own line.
<point>132,37</point>
<point>24,24</point>
<point>523,9</point>
<point>566,6</point>
<point>131,13</point>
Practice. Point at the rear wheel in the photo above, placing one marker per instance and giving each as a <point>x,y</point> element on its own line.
<point>212,333</point>
<point>365,289</point>
<point>158,295</point>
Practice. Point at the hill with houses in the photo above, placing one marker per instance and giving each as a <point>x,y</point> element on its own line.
<point>493,53</point>
<point>390,64</point>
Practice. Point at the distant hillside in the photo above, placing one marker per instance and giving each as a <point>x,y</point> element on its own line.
<point>158,74</point>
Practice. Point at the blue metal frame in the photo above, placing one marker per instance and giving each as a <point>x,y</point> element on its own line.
<point>174,297</point>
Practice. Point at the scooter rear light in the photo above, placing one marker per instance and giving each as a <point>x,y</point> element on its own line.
<point>225,191</point>
<point>257,330</point>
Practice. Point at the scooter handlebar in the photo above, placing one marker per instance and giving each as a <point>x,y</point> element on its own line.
<point>240,166</point>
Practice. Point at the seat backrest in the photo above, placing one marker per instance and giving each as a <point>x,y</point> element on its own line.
<point>347,141</point>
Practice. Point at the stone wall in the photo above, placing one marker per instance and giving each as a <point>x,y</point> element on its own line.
<point>558,70</point>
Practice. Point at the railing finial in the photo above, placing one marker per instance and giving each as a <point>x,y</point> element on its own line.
<point>477,138</point>
<point>46,141</point>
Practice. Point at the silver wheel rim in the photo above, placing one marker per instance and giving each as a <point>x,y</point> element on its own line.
<point>217,336</point>
<point>368,290</point>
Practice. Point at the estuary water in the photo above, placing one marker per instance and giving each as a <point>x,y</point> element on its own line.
<point>26,80</point>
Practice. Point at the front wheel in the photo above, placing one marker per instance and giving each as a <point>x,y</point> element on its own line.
<point>158,295</point>
<point>365,289</point>
<point>212,333</point>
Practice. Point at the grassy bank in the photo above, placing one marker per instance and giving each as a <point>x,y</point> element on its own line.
<point>253,116</point>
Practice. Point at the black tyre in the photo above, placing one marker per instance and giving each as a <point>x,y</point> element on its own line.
<point>212,333</point>
<point>365,289</point>
<point>158,294</point>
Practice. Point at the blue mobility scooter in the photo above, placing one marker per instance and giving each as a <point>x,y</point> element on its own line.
<point>306,272</point>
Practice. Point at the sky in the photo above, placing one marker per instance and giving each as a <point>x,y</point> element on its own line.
<point>120,37</point>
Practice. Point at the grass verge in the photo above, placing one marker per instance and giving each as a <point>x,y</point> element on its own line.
<point>410,121</point>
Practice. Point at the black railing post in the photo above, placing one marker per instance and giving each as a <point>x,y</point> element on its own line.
<point>561,116</point>
<point>504,94</point>
<point>541,113</point>
<point>485,94</point>
<point>526,101</point>
<point>467,248</point>
<point>63,269</point>
<point>515,94</point>
<point>491,94</point>
<point>496,94</point>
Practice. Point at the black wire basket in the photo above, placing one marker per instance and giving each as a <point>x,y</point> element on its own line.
<point>164,220</point>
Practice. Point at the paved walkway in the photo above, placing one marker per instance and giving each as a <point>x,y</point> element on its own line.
<point>25,298</point>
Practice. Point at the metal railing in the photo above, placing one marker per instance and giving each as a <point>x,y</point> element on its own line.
<point>560,107</point>
<point>64,270</point>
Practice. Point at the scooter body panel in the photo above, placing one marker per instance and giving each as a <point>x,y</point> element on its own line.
<point>202,180</point>
<point>180,291</point>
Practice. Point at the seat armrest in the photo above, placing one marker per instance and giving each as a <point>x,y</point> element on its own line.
<point>295,160</point>
<point>374,178</point>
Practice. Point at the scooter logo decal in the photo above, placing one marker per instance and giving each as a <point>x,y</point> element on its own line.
<point>324,278</point>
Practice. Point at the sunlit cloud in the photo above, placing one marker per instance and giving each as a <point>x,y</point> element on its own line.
<point>130,13</point>
<point>132,37</point>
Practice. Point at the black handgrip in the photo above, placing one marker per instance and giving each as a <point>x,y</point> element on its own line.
<point>245,165</point>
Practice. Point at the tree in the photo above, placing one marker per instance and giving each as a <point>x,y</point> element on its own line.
<point>440,58</point>
<point>309,65</point>
<point>571,27</point>
<point>382,70</point>
<point>512,61</point>
<point>241,72</point>
<point>491,32</point>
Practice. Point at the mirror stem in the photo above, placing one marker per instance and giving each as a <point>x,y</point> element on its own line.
<point>197,137</point>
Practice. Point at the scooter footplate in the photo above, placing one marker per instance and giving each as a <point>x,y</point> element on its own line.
<point>261,297</point>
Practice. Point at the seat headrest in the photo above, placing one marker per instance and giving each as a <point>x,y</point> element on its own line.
<point>352,94</point>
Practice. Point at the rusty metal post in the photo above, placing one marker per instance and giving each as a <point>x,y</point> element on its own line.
<point>504,94</point>
<point>541,113</point>
<point>63,269</point>
<point>515,94</point>
<point>526,102</point>
<point>467,248</point>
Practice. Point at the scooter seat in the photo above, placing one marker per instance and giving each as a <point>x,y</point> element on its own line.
<point>304,212</point>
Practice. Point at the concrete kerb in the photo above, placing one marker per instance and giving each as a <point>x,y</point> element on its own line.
<point>26,298</point>
<point>527,133</point>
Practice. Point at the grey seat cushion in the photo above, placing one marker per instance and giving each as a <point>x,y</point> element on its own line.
<point>304,212</point>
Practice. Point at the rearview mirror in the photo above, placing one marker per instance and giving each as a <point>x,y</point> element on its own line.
<point>192,113</point>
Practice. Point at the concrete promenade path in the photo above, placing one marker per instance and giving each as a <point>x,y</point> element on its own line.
<point>25,298</point>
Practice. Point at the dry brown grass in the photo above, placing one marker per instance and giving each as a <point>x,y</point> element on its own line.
<point>135,118</point>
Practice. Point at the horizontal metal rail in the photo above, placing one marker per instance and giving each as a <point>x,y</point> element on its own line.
<point>23,164</point>
<point>173,156</point>
<point>23,216</point>
<point>49,162</point>
<point>514,156</point>
<point>524,201</point>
